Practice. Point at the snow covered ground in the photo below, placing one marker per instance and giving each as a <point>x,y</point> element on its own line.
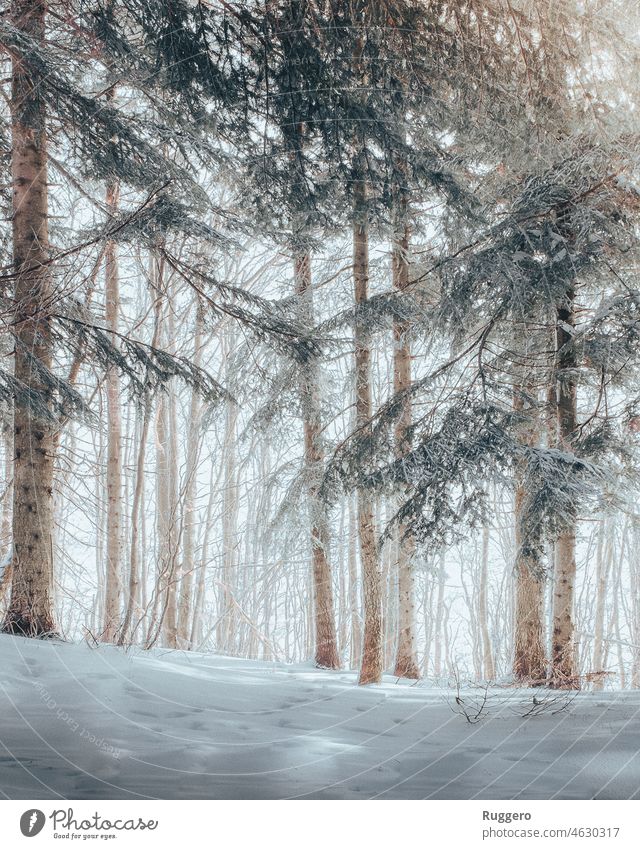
<point>84,723</point>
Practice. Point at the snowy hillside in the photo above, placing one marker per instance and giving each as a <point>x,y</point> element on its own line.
<point>105,723</point>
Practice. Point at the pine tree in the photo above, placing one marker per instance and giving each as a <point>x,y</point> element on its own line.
<point>107,142</point>
<point>287,188</point>
<point>30,609</point>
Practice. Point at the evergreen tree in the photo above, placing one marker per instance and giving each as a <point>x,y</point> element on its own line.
<point>112,144</point>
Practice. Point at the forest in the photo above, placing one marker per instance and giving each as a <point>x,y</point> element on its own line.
<point>320,334</point>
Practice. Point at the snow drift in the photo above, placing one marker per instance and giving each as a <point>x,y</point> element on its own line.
<point>88,723</point>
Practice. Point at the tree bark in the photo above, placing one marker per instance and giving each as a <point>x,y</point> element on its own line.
<point>198,602</point>
<point>616,604</point>
<point>164,614</point>
<point>604,559</point>
<point>227,623</point>
<point>483,610</point>
<point>437,655</point>
<point>173,539</point>
<point>406,665</point>
<point>529,662</point>
<point>6,560</point>
<point>189,511</point>
<point>371,669</point>
<point>354,605</point>
<point>634,563</point>
<point>137,582</point>
<point>113,584</point>
<point>166,469</point>
<point>166,527</point>
<point>343,605</point>
<point>133,596</point>
<point>30,609</point>
<point>326,647</point>
<point>563,671</point>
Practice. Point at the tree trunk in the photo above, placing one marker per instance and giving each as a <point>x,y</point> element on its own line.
<point>529,664</point>
<point>137,582</point>
<point>113,585</point>
<point>166,528</point>
<point>604,560</point>
<point>563,671</point>
<point>615,622</point>
<point>30,609</point>
<point>483,611</point>
<point>634,563</point>
<point>354,605</point>
<point>406,665</point>
<point>6,561</point>
<point>371,669</point>
<point>170,622</point>
<point>343,606</point>
<point>6,487</point>
<point>227,623</point>
<point>190,514</point>
<point>437,655</point>
<point>326,648</point>
<point>133,597</point>
<point>164,614</point>
<point>389,563</point>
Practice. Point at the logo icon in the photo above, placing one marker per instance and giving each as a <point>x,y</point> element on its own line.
<point>32,822</point>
